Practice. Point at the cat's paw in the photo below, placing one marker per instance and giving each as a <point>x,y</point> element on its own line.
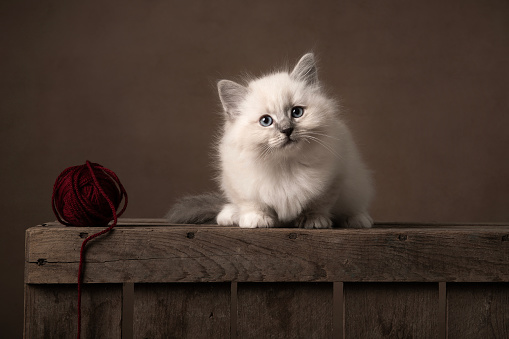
<point>228,216</point>
<point>314,221</point>
<point>362,220</point>
<point>255,219</point>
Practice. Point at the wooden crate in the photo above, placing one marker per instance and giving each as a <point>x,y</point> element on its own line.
<point>148,279</point>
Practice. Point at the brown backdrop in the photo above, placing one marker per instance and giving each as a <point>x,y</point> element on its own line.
<point>131,85</point>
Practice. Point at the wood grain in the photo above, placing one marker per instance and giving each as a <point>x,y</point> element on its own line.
<point>194,253</point>
<point>391,310</point>
<point>51,311</point>
<point>478,310</point>
<point>284,310</point>
<point>192,310</point>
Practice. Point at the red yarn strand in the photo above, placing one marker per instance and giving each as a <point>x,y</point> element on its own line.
<point>82,208</point>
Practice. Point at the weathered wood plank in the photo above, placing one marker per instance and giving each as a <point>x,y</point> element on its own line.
<point>164,222</point>
<point>284,310</point>
<point>51,311</point>
<point>478,310</point>
<point>337,310</point>
<point>196,253</point>
<point>391,310</point>
<point>192,310</point>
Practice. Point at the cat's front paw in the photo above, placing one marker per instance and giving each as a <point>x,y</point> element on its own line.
<point>228,216</point>
<point>362,220</point>
<point>255,219</point>
<point>314,221</point>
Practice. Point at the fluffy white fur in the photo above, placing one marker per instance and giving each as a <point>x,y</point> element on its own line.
<point>273,178</point>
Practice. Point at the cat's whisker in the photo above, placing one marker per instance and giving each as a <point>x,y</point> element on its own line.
<point>323,144</point>
<point>322,134</point>
<point>267,150</point>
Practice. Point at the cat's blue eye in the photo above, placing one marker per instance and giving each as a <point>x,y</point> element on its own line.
<point>297,111</point>
<point>266,121</point>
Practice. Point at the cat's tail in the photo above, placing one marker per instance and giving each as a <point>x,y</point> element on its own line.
<point>196,209</point>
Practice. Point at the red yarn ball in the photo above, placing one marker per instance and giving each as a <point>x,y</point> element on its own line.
<point>88,195</point>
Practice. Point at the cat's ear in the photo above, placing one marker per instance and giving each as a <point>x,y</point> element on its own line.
<point>305,70</point>
<point>231,95</point>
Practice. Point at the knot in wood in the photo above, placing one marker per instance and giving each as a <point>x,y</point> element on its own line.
<point>292,236</point>
<point>505,237</point>
<point>190,235</point>
<point>41,262</point>
<point>402,237</point>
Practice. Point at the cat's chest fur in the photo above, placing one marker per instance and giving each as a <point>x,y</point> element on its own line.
<point>291,188</point>
<point>287,187</point>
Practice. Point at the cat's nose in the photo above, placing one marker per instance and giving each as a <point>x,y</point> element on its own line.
<point>288,131</point>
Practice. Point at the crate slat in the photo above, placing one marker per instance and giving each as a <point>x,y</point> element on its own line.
<point>182,310</point>
<point>478,310</point>
<point>51,311</point>
<point>195,253</point>
<point>284,310</point>
<point>391,310</point>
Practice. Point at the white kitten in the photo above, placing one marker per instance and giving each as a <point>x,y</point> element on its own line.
<point>285,158</point>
